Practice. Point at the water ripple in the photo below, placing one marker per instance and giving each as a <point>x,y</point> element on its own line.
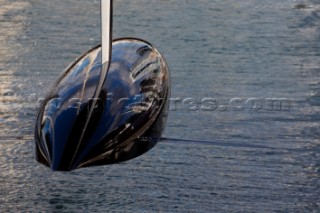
<point>209,161</point>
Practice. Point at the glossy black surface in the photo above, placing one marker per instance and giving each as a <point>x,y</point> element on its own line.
<point>129,115</point>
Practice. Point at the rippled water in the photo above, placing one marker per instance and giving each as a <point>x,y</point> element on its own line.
<point>226,147</point>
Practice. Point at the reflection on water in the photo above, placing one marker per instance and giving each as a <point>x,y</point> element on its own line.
<point>12,25</point>
<point>251,160</point>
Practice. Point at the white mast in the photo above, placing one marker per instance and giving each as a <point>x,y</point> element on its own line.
<point>106,30</point>
<point>106,48</point>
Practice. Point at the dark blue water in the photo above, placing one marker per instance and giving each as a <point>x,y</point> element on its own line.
<point>243,131</point>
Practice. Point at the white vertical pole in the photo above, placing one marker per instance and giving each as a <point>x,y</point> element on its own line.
<point>106,48</point>
<point>106,30</point>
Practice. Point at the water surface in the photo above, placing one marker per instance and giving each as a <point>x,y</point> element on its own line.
<point>246,155</point>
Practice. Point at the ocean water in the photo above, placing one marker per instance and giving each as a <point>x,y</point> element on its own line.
<point>243,132</point>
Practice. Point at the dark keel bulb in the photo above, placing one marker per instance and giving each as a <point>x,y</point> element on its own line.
<point>128,117</point>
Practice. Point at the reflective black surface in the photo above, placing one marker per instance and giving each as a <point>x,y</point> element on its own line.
<point>129,115</point>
